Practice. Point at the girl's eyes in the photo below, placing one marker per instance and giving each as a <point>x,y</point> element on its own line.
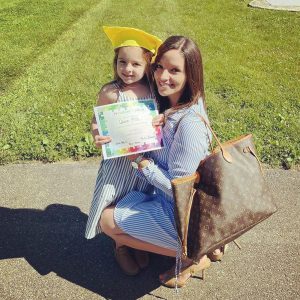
<point>123,62</point>
<point>158,66</point>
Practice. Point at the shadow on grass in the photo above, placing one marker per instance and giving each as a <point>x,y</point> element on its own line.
<point>52,240</point>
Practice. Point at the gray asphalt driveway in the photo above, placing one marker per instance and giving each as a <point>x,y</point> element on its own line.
<point>44,255</point>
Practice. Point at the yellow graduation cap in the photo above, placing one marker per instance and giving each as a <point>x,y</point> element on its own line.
<point>126,36</point>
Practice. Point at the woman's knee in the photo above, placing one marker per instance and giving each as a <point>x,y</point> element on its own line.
<point>106,221</point>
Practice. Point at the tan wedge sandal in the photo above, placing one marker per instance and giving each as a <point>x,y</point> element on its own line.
<point>126,261</point>
<point>142,258</point>
<point>217,256</point>
<point>192,270</point>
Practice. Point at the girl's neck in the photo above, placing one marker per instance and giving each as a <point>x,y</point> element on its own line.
<point>139,89</point>
<point>134,85</point>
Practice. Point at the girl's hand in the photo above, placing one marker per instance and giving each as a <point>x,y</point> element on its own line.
<point>158,120</point>
<point>100,140</point>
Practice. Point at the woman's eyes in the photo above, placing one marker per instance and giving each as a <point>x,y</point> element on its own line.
<point>175,70</point>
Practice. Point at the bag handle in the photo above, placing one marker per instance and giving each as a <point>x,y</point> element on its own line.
<point>225,153</point>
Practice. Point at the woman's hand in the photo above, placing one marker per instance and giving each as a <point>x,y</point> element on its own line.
<point>100,140</point>
<point>133,157</point>
<point>158,120</point>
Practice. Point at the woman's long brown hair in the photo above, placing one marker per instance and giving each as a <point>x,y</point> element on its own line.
<point>194,87</point>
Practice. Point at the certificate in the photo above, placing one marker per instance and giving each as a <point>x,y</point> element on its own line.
<point>129,124</point>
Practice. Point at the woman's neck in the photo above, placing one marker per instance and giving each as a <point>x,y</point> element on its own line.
<point>173,100</point>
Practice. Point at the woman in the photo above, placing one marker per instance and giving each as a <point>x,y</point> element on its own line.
<point>146,222</point>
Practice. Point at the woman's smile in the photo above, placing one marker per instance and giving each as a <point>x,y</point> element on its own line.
<point>170,75</point>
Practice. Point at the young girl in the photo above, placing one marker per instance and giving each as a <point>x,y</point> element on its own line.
<point>134,50</point>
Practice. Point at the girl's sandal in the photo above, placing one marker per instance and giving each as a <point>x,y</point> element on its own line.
<point>192,270</point>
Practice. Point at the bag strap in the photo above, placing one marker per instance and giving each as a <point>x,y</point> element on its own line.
<point>225,153</point>
<point>205,122</point>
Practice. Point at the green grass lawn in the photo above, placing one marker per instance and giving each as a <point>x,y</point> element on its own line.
<point>55,57</point>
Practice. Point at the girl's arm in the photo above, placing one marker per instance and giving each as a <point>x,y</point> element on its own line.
<point>189,147</point>
<point>107,95</point>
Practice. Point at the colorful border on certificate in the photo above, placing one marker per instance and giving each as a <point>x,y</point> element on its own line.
<point>107,149</point>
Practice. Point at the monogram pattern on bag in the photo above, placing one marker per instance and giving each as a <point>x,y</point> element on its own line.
<point>182,190</point>
<point>230,199</point>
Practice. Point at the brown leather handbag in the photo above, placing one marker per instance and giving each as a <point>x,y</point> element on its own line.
<point>224,199</point>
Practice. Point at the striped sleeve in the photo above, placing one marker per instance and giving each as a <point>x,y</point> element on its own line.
<point>189,147</point>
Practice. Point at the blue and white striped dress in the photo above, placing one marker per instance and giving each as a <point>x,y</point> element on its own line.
<point>150,218</point>
<point>115,179</point>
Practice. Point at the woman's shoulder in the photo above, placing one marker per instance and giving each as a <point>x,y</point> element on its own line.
<point>197,110</point>
<point>191,116</point>
<point>109,93</point>
<point>187,113</point>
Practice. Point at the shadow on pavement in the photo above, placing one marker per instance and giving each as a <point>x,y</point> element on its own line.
<point>52,240</point>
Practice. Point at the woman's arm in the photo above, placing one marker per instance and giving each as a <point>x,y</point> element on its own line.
<point>189,147</point>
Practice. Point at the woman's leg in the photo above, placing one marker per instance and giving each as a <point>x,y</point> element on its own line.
<point>110,228</point>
